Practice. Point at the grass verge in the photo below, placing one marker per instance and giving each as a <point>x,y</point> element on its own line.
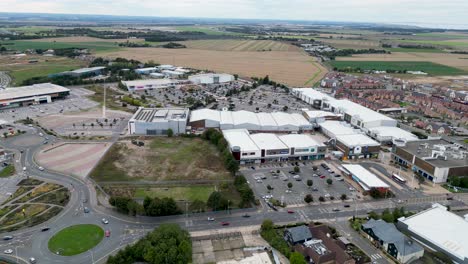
<point>7,171</point>
<point>75,239</point>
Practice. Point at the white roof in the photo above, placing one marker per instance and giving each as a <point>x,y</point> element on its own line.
<point>284,119</point>
<point>205,114</point>
<point>245,117</point>
<point>442,228</point>
<point>267,141</point>
<point>299,120</point>
<point>266,120</point>
<point>393,132</point>
<point>85,70</point>
<point>150,82</point>
<point>226,118</point>
<point>314,94</point>
<point>356,140</point>
<point>365,176</point>
<point>146,69</point>
<point>299,141</point>
<point>354,109</point>
<point>338,128</point>
<point>319,113</point>
<point>240,138</point>
<point>32,90</point>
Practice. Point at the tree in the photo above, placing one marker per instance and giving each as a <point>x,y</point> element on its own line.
<point>197,206</point>
<point>216,201</point>
<point>290,185</point>
<point>296,169</point>
<point>285,108</point>
<point>329,181</point>
<point>297,258</point>
<point>343,197</point>
<point>387,216</point>
<point>308,198</point>
<point>267,225</point>
<point>310,183</point>
<point>5,134</point>
<point>170,133</point>
<point>321,199</point>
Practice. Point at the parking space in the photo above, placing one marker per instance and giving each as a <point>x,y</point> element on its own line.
<point>271,181</point>
<point>75,102</point>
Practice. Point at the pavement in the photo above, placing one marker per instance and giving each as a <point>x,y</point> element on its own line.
<point>31,242</point>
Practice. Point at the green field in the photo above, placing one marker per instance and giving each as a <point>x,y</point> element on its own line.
<point>428,67</point>
<point>189,193</point>
<point>450,43</point>
<point>206,30</point>
<point>414,50</point>
<point>7,171</point>
<point>443,35</point>
<point>96,47</point>
<point>76,239</point>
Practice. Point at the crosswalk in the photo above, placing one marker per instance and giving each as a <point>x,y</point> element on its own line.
<point>376,256</point>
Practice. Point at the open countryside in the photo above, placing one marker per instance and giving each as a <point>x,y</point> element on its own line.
<point>240,45</point>
<point>428,67</point>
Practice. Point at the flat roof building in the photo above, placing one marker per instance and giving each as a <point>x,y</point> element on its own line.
<point>268,147</point>
<point>157,121</point>
<point>146,71</point>
<point>265,122</point>
<point>434,159</point>
<point>141,85</point>
<point>391,134</point>
<point>439,230</point>
<point>211,78</point>
<point>31,95</point>
<point>365,178</point>
<point>80,72</point>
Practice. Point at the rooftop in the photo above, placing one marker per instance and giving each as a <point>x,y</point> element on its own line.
<point>299,233</point>
<point>441,227</point>
<point>438,152</point>
<point>85,70</point>
<point>299,140</point>
<point>240,138</point>
<point>393,132</point>
<point>357,140</point>
<point>354,109</point>
<point>267,141</point>
<point>32,90</point>
<point>365,176</point>
<point>150,82</point>
<point>339,128</point>
<point>158,114</point>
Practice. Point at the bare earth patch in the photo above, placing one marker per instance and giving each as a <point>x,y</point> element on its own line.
<point>72,158</point>
<point>289,67</point>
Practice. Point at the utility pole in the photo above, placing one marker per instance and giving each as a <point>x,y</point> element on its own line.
<point>104,104</point>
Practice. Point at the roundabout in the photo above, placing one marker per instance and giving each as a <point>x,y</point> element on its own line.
<point>75,239</point>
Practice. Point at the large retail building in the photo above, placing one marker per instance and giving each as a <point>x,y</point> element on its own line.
<point>31,95</point>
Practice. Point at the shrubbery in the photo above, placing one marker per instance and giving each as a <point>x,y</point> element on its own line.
<point>150,207</point>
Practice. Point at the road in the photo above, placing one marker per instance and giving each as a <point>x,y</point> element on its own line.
<point>31,242</point>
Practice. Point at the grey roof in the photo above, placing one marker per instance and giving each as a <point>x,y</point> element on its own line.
<point>299,233</point>
<point>389,234</point>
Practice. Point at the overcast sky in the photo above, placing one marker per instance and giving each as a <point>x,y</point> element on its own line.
<point>434,13</point>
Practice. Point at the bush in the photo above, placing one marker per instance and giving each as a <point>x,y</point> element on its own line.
<point>308,198</point>
<point>270,234</point>
<point>217,201</point>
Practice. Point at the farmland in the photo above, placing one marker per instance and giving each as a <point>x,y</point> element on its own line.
<point>288,67</point>
<point>20,69</point>
<point>239,45</point>
<point>94,45</point>
<point>428,67</point>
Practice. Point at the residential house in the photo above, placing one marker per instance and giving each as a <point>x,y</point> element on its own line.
<point>392,241</point>
<point>438,128</point>
<point>297,235</point>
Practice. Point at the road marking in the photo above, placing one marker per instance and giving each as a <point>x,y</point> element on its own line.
<point>376,256</point>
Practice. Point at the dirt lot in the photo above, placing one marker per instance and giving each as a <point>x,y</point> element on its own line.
<point>455,60</point>
<point>290,67</point>
<point>72,158</point>
<point>162,159</point>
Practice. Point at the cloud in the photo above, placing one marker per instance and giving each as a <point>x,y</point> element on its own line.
<point>436,13</point>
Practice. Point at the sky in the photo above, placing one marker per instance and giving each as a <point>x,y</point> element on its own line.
<point>431,13</point>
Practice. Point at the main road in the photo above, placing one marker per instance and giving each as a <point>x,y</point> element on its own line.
<point>31,242</point>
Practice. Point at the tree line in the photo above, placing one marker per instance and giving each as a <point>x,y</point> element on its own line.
<point>151,206</point>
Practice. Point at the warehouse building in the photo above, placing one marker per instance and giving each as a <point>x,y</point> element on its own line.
<point>268,147</point>
<point>435,159</point>
<point>353,113</point>
<point>365,178</point>
<point>385,134</point>
<point>80,72</point>
<point>146,71</point>
<point>265,122</point>
<point>157,121</point>
<point>439,230</point>
<point>350,141</point>
<point>141,85</point>
<point>318,116</point>
<point>211,78</point>
<point>31,95</point>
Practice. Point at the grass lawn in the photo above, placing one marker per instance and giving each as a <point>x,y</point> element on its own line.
<point>189,193</point>
<point>7,171</point>
<point>111,103</point>
<point>94,47</point>
<point>428,67</point>
<point>76,239</point>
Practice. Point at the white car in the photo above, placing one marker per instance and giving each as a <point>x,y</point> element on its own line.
<point>41,168</point>
<point>105,221</point>
<point>210,219</point>
<point>8,251</point>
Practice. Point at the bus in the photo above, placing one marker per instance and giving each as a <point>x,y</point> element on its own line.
<point>398,178</point>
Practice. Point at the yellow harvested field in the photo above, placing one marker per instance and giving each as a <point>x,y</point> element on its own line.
<point>84,39</point>
<point>239,45</point>
<point>455,60</point>
<point>351,43</point>
<point>294,68</point>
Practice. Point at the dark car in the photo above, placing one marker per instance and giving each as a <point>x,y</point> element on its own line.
<point>224,223</point>
<point>7,237</point>
<point>347,205</point>
<point>86,210</point>
<point>246,216</point>
<point>45,229</point>
<point>290,212</point>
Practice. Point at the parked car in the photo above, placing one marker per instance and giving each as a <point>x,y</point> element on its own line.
<point>314,175</point>
<point>32,260</point>
<point>86,210</point>
<point>41,168</point>
<point>336,210</point>
<point>322,177</point>
<point>315,189</point>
